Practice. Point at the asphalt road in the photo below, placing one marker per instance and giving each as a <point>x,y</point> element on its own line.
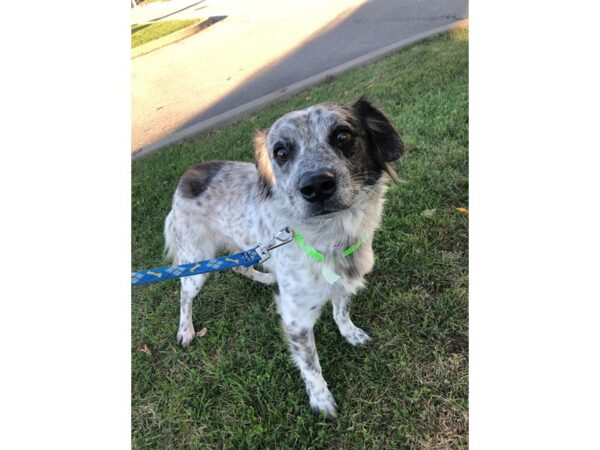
<point>260,47</point>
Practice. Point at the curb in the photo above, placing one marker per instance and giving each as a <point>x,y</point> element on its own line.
<point>228,117</point>
<point>174,37</point>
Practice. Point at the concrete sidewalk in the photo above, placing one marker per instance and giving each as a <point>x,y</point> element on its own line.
<point>261,47</point>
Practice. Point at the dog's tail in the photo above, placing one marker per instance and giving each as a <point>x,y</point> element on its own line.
<point>170,251</point>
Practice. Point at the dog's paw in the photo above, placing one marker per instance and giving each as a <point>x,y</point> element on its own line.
<point>267,278</point>
<point>186,334</point>
<point>256,275</point>
<point>323,403</point>
<point>357,337</point>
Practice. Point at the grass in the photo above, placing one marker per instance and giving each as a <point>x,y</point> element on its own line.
<point>144,33</point>
<point>236,387</point>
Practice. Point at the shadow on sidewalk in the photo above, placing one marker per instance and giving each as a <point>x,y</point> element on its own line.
<point>351,32</point>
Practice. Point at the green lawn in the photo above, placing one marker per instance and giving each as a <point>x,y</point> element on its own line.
<point>236,387</point>
<point>144,33</point>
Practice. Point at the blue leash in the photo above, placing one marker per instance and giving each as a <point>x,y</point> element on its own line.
<point>256,255</point>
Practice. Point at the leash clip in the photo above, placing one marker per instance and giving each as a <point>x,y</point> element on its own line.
<point>282,237</point>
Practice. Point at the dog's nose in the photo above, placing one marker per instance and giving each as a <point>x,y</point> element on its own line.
<point>317,186</point>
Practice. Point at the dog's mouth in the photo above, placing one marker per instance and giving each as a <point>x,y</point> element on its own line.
<point>321,210</point>
<point>324,211</point>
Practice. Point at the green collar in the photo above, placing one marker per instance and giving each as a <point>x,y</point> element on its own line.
<point>314,253</point>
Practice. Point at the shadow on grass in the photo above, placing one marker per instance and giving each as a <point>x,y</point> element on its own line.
<point>136,28</point>
<point>178,11</point>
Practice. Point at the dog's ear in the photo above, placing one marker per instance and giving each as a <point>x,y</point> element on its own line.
<point>266,178</point>
<point>382,134</point>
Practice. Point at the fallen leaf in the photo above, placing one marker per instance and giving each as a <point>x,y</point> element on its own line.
<point>144,348</point>
<point>463,210</point>
<point>428,212</point>
<point>202,332</point>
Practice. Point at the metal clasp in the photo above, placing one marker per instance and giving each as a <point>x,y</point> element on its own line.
<point>282,237</point>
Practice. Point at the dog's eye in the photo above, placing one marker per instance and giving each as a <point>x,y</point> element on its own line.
<point>281,154</point>
<point>343,137</point>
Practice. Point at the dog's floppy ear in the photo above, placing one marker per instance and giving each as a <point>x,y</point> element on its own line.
<point>382,134</point>
<point>263,164</point>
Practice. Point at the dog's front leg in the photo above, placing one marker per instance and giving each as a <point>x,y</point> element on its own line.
<point>190,286</point>
<point>341,314</point>
<point>298,322</point>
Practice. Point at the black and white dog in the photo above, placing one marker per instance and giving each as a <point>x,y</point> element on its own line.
<point>321,171</point>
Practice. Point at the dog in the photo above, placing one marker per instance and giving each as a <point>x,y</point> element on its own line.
<point>321,171</point>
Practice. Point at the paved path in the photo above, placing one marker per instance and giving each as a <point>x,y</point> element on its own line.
<point>261,47</point>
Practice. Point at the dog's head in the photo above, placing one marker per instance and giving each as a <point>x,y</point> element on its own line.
<point>320,159</point>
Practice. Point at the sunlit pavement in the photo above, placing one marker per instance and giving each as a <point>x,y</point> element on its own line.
<point>260,47</point>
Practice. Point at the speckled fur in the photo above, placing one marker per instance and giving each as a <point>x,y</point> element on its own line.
<point>239,205</point>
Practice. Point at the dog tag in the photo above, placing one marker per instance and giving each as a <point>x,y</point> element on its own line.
<point>328,273</point>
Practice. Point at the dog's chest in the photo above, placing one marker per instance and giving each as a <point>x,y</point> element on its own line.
<point>336,276</point>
